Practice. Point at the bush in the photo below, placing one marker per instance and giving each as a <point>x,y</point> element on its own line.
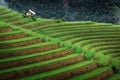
<point>103,61</point>
<point>61,20</point>
<point>89,54</point>
<point>66,44</point>
<point>58,41</point>
<point>16,28</point>
<point>115,69</point>
<point>77,49</point>
<point>44,38</point>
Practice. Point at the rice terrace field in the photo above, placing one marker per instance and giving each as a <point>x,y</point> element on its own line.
<point>54,49</point>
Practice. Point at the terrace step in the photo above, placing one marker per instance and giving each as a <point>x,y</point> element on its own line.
<point>3,30</point>
<point>11,59</point>
<point>62,61</point>
<point>42,57</point>
<point>13,20</point>
<point>19,44</point>
<point>4,53</point>
<point>1,8</point>
<point>66,71</point>
<point>62,25</point>
<point>21,22</point>
<point>103,76</point>
<point>19,40</point>
<point>84,34</point>
<point>8,16</point>
<point>15,36</point>
<point>88,75</point>
<point>114,77</point>
<point>4,12</point>
<point>39,24</point>
<point>97,38</point>
<point>17,21</point>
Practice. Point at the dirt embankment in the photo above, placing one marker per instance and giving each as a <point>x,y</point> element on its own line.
<point>39,24</point>
<point>69,74</point>
<point>28,72</point>
<point>13,20</point>
<point>10,37</point>
<point>29,51</point>
<point>103,75</point>
<point>21,22</point>
<point>2,30</point>
<point>35,59</point>
<point>3,13</point>
<point>19,44</point>
<point>10,16</point>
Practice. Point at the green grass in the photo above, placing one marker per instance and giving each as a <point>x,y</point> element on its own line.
<point>38,64</point>
<point>8,15</point>
<point>84,33</point>
<point>94,38</point>
<point>11,33</point>
<point>58,71</point>
<point>20,21</point>
<point>19,40</point>
<point>90,74</point>
<point>79,28</point>
<point>12,18</point>
<point>88,32</point>
<point>2,51</point>
<point>114,77</point>
<point>3,25</point>
<point>66,25</point>
<point>37,22</point>
<point>31,55</point>
<point>5,10</point>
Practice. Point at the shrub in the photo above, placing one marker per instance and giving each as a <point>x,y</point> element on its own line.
<point>103,61</point>
<point>115,69</point>
<point>58,41</point>
<point>89,54</point>
<point>16,28</point>
<point>77,49</point>
<point>44,38</point>
<point>66,44</point>
<point>61,20</point>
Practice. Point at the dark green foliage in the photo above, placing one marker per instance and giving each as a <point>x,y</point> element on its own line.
<point>77,49</point>
<point>115,69</point>
<point>67,44</point>
<point>58,41</point>
<point>16,28</point>
<point>34,18</point>
<point>89,54</point>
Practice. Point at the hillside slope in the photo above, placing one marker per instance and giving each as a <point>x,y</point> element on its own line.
<point>50,49</point>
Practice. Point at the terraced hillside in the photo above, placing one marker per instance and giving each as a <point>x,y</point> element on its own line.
<point>50,49</point>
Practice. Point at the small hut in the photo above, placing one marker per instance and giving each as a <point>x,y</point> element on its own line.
<point>30,13</point>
